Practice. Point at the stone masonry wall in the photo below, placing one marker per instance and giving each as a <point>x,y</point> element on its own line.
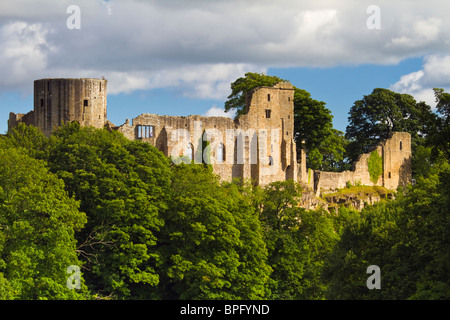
<point>58,101</point>
<point>258,145</point>
<point>396,157</point>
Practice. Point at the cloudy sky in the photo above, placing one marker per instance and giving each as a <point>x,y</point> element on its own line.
<point>178,57</point>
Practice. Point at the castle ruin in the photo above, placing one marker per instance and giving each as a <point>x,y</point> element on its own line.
<point>257,145</point>
<point>59,101</point>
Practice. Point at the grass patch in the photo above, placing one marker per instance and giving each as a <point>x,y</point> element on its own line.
<point>359,191</point>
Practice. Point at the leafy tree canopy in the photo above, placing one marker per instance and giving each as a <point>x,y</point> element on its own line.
<point>37,224</point>
<point>373,118</point>
<point>122,186</point>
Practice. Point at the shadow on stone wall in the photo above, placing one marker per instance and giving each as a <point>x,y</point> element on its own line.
<point>405,173</point>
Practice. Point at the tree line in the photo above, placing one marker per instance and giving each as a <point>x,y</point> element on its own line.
<point>141,227</point>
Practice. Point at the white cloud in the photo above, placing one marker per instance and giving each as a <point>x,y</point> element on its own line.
<point>215,111</point>
<point>409,82</point>
<point>435,73</point>
<point>200,47</point>
<point>418,34</point>
<point>205,81</point>
<point>23,53</point>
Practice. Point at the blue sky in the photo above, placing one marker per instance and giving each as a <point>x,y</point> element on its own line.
<point>179,57</point>
<point>339,87</point>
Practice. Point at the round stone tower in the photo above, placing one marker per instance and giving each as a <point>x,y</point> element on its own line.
<point>59,101</point>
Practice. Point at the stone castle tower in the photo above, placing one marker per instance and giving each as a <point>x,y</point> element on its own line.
<point>59,101</point>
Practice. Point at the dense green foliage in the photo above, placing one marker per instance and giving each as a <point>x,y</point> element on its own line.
<point>37,224</point>
<point>407,238</point>
<point>141,227</point>
<point>373,118</point>
<point>375,166</point>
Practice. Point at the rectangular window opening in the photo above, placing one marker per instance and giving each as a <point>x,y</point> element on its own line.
<point>268,114</point>
<point>85,103</point>
<point>144,131</point>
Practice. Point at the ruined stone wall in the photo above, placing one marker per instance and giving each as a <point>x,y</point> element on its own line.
<point>258,145</point>
<point>396,158</point>
<point>15,119</point>
<point>359,175</point>
<point>182,136</point>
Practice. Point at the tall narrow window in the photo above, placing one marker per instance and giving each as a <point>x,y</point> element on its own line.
<point>220,156</point>
<point>401,145</point>
<point>100,87</point>
<point>268,113</point>
<point>85,103</point>
<point>42,102</point>
<point>270,161</point>
<point>268,97</point>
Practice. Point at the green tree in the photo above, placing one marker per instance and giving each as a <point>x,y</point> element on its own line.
<point>122,186</point>
<point>212,244</point>
<point>318,233</point>
<point>443,104</point>
<point>440,139</point>
<point>38,221</point>
<point>312,120</point>
<point>333,151</point>
<point>313,130</point>
<point>29,139</point>
<point>298,241</point>
<point>407,238</point>
<point>375,166</point>
<point>373,118</point>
